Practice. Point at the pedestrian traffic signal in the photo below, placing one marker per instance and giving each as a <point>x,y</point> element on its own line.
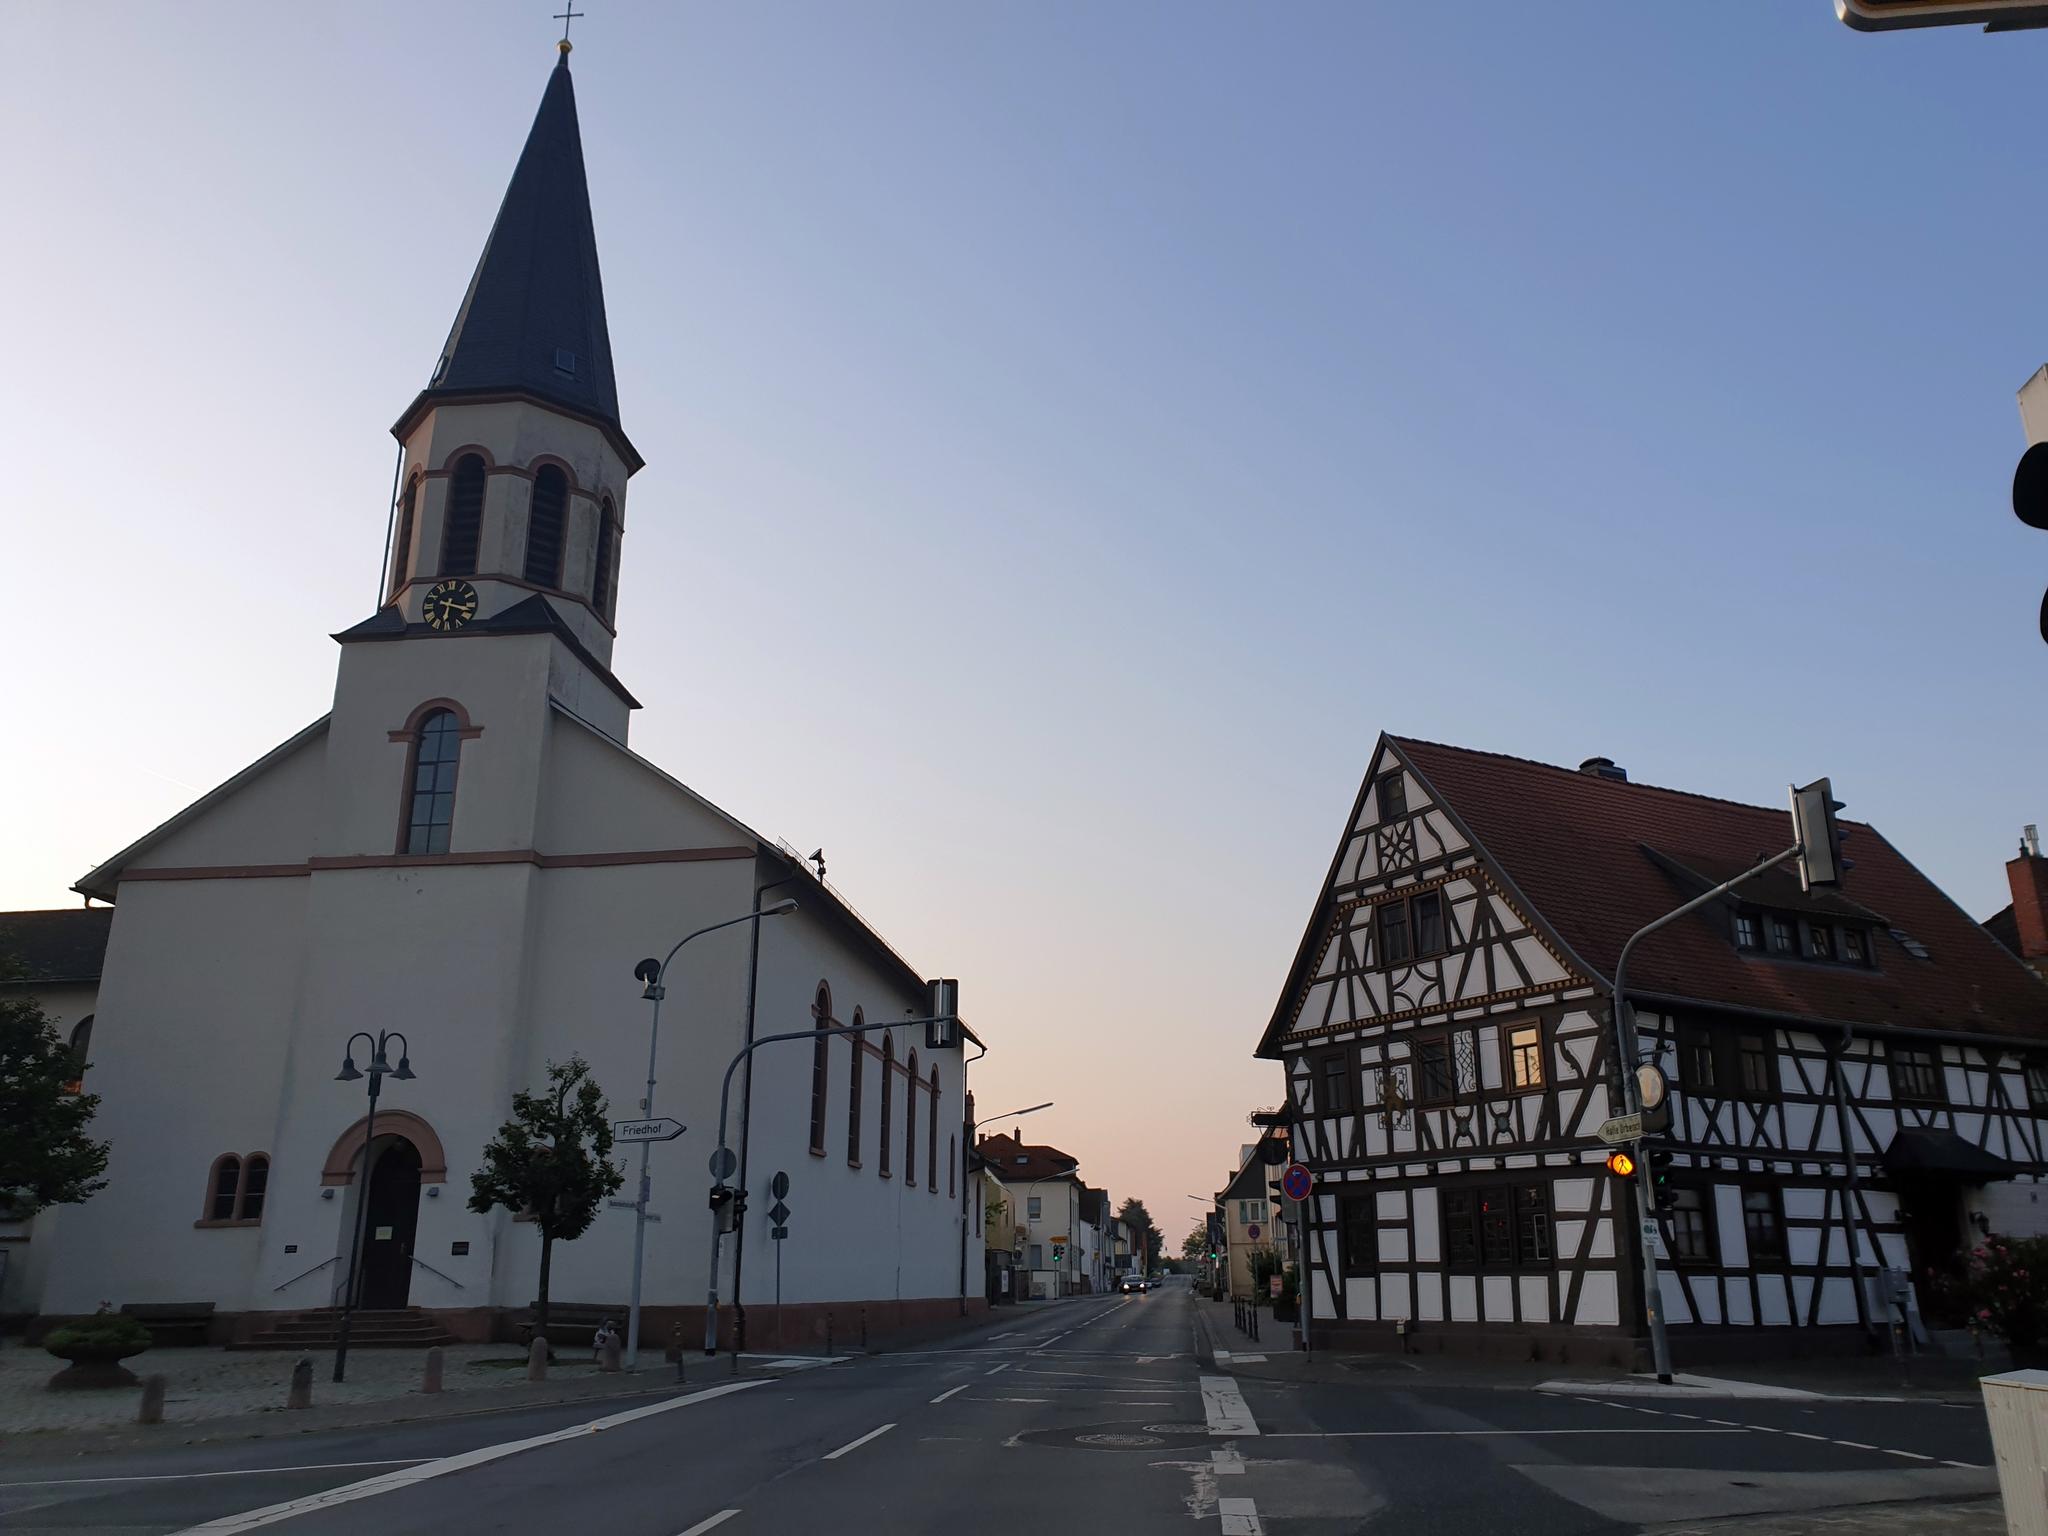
<point>1819,835</point>
<point>1621,1165</point>
<point>1661,1191</point>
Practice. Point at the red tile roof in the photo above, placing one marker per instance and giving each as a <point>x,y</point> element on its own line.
<point>1008,1159</point>
<point>1579,848</point>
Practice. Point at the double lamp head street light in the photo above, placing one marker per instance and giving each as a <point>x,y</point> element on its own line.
<point>380,1068</point>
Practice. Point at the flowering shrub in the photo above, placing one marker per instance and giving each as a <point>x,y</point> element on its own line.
<point>2006,1288</point>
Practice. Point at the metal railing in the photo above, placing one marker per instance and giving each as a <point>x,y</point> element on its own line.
<point>295,1279</point>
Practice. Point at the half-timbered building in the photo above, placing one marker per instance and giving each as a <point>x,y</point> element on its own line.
<point>1859,1076</point>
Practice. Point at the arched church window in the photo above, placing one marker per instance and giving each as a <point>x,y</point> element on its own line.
<point>910,1121</point>
<point>465,520</point>
<point>401,544</point>
<point>255,1180</point>
<point>888,1088</point>
<point>607,560</point>
<point>430,783</point>
<point>81,1054</point>
<point>222,1187</point>
<point>821,1063</point>
<point>860,1047</point>
<point>931,1159</point>
<point>544,526</point>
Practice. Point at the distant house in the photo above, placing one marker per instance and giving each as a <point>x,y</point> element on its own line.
<point>1248,1217</point>
<point>1859,1076</point>
<point>1043,1185</point>
<point>55,957</point>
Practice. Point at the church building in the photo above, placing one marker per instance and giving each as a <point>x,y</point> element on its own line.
<point>465,849</point>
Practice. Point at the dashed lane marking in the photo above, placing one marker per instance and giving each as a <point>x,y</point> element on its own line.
<point>994,1370</point>
<point>704,1525</point>
<point>179,1477</point>
<point>1223,1405</point>
<point>1240,1517</point>
<point>854,1445</point>
<point>949,1392</point>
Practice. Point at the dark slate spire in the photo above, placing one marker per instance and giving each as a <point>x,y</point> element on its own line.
<point>533,321</point>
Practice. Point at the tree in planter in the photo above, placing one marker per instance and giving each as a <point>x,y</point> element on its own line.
<point>45,1156</point>
<point>551,1160</point>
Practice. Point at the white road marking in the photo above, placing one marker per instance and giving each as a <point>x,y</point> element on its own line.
<point>179,1477</point>
<point>1225,1408</point>
<point>704,1525</point>
<point>1226,1461</point>
<point>995,1336</point>
<point>391,1482</point>
<point>854,1445</point>
<point>1464,1434</point>
<point>1240,1517</point>
<point>1800,1434</point>
<point>994,1369</point>
<point>949,1392</point>
<point>1009,1399</point>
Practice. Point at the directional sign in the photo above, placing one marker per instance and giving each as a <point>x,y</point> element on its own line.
<point>1296,1182</point>
<point>779,1188</point>
<point>778,1213</point>
<point>663,1129</point>
<point>1621,1128</point>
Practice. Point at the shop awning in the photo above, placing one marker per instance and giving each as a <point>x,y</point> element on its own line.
<point>1921,1149</point>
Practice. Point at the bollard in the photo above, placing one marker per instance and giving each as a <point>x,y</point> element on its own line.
<point>301,1393</point>
<point>675,1349</point>
<point>433,1378</point>
<point>608,1356</point>
<point>537,1359</point>
<point>152,1409</point>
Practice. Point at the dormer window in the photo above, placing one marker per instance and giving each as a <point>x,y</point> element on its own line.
<point>1748,935</point>
<point>1820,941</point>
<point>1784,936</point>
<point>1854,947</point>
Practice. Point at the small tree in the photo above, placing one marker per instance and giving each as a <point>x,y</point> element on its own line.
<point>1144,1230</point>
<point>551,1160</point>
<point>1195,1246</point>
<point>45,1156</point>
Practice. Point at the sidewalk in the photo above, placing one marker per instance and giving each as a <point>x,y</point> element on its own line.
<point>1930,1517</point>
<point>1274,1356</point>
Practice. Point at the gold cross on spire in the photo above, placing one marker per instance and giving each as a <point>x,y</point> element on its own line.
<point>567,14</point>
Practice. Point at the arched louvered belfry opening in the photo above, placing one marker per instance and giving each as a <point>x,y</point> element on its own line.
<point>910,1121</point>
<point>401,541</point>
<point>544,526</point>
<point>860,1049</point>
<point>605,575</point>
<point>821,1064</point>
<point>463,525</point>
<point>931,1149</point>
<point>888,1091</point>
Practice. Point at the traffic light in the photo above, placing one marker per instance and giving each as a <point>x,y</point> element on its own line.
<point>1819,835</point>
<point>1661,1192</point>
<point>1621,1165</point>
<point>728,1205</point>
<point>2030,501</point>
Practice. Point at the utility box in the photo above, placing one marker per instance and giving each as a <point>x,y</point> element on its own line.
<point>2017,1405</point>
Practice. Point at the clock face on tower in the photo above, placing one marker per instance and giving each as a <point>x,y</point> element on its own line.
<point>449,605</point>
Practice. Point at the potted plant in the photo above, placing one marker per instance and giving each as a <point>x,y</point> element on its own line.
<point>96,1348</point>
<point>2007,1289</point>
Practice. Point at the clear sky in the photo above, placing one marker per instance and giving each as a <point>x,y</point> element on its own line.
<point>1074,431</point>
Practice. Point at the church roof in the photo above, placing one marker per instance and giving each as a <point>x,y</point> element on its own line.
<point>533,322</point>
<point>67,944</point>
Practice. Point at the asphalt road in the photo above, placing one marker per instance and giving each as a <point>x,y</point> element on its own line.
<point>1099,1415</point>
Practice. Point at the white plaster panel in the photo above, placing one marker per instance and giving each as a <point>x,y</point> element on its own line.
<point>1320,1297</point>
<point>1837,1300</point>
<point>1676,1307</point>
<point>2013,1208</point>
<point>1741,1310</point>
<point>1804,1245</point>
<point>1391,1205</point>
<point>1393,1245</point>
<point>1535,1298</point>
<point>1464,1290</point>
<point>1572,1194</point>
<point>1773,1308</point>
<point>1802,1295</point>
<point>1429,1296</point>
<point>1428,1229</point>
<point>1498,1291</point>
<point>1728,1221</point>
<point>1598,1305</point>
<point>1805,1204</point>
<point>1361,1299</point>
<point>1706,1298</point>
<point>1394,1300</point>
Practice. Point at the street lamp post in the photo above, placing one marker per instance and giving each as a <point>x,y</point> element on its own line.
<point>380,1066</point>
<point>656,977</point>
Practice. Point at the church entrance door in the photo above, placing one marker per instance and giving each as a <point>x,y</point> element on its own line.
<point>393,1221</point>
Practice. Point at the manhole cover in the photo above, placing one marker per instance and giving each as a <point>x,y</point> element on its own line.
<point>1124,1436</point>
<point>1119,1439</point>
<point>1177,1429</point>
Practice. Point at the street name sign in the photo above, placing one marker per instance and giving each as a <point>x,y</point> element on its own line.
<point>663,1129</point>
<point>1621,1128</point>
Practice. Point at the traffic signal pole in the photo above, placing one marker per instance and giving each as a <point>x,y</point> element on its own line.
<point>1626,1049</point>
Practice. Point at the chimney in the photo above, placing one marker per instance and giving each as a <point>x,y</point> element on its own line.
<point>2028,877</point>
<point>1603,768</point>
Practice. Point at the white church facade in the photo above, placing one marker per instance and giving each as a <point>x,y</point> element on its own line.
<point>465,849</point>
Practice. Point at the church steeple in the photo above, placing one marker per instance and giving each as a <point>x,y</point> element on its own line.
<point>533,321</point>
<point>514,490</point>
